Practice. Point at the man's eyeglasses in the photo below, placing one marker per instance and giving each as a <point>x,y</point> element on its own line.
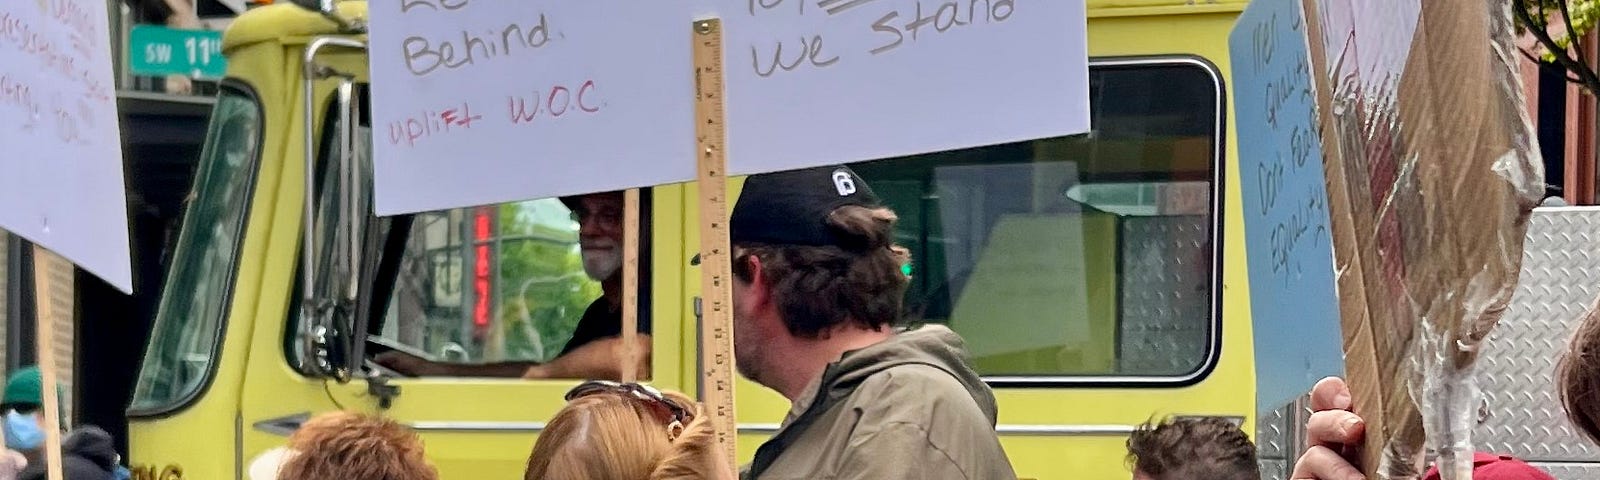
<point>666,410</point>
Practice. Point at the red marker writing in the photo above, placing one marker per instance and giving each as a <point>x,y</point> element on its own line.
<point>556,101</point>
<point>411,130</point>
<point>463,119</point>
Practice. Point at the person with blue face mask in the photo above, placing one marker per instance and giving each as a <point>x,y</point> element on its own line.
<point>23,411</point>
<point>87,453</point>
<point>22,420</point>
<point>23,431</point>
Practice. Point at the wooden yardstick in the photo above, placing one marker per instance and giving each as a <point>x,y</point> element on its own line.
<point>716,328</point>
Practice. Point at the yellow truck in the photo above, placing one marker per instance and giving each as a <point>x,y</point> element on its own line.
<point>1099,279</point>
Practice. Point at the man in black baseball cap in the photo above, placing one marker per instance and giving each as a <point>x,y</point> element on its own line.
<point>596,343</point>
<point>792,208</point>
<point>817,294</point>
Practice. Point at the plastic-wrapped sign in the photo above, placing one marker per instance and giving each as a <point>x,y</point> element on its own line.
<point>1433,175</point>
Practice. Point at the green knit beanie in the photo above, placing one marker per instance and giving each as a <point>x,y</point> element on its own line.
<point>25,386</point>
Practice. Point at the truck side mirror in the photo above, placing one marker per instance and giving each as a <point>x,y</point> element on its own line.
<point>357,234</point>
<point>328,300</point>
<point>348,237</point>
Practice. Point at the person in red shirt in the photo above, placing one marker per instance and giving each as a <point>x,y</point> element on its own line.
<point>1488,466</point>
<point>1333,428</point>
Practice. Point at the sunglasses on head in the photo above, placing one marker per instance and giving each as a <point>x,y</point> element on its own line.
<point>666,410</point>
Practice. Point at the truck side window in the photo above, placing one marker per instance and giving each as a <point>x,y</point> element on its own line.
<point>187,332</point>
<point>484,291</point>
<point>1089,257</point>
<point>511,282</point>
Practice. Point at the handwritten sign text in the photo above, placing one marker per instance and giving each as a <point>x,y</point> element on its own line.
<point>483,102</point>
<point>851,80</point>
<point>61,175</point>
<point>587,96</point>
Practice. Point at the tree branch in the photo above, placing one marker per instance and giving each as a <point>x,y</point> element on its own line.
<point>1530,56</point>
<point>1590,80</point>
<point>1573,39</point>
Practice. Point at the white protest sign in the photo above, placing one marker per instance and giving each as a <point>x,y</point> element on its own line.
<point>815,82</point>
<point>478,102</point>
<point>61,180</point>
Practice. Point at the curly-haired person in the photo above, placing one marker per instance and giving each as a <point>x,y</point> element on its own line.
<point>347,446</point>
<point>1205,448</point>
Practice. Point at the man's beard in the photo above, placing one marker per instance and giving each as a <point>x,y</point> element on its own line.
<point>749,349</point>
<point>747,360</point>
<point>602,263</point>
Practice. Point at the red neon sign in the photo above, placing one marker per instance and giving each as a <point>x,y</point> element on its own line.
<point>482,231</point>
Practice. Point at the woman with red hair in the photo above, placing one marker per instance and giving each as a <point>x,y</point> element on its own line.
<point>347,446</point>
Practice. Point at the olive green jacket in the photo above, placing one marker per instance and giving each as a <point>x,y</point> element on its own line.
<point>907,408</point>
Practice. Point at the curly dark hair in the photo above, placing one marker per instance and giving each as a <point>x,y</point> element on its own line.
<point>1578,376</point>
<point>1202,448</point>
<point>859,281</point>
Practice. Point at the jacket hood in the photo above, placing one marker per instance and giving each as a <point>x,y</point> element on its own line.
<point>86,454</point>
<point>92,444</point>
<point>931,345</point>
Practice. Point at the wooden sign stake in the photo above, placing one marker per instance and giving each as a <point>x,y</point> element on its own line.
<point>44,326</point>
<point>716,328</point>
<point>630,286</point>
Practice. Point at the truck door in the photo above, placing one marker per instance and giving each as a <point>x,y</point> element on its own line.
<point>480,293</point>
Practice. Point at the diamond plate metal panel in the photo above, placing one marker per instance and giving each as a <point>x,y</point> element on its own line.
<point>1166,294</point>
<point>1274,469</point>
<point>1560,279</point>
<point>1279,438</point>
<point>1272,435</point>
<point>1272,444</point>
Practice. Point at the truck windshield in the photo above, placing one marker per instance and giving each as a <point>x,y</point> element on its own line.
<point>197,291</point>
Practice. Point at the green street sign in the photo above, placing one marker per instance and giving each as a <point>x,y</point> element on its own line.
<point>154,50</point>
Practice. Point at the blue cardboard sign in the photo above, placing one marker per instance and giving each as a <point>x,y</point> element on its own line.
<point>1293,301</point>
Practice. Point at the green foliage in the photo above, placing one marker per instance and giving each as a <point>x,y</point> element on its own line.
<point>1554,24</point>
<point>1546,15</point>
<point>1584,13</point>
<point>542,290</point>
<point>539,288</point>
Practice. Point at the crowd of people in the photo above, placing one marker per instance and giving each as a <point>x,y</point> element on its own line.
<point>817,301</point>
